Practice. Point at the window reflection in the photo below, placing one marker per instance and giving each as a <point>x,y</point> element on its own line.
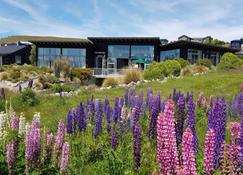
<point>142,52</point>
<point>169,54</point>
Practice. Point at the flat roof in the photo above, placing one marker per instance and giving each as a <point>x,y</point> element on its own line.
<point>6,50</point>
<point>180,43</point>
<point>125,39</point>
<point>17,38</point>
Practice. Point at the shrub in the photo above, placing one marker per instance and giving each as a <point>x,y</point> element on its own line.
<point>205,62</point>
<point>173,67</point>
<point>229,61</point>
<point>38,86</point>
<point>193,69</point>
<point>81,73</point>
<point>14,74</point>
<point>4,76</point>
<point>61,65</point>
<point>110,82</point>
<point>131,75</point>
<point>155,71</point>
<point>48,81</point>
<point>182,62</point>
<point>28,97</point>
<point>57,88</point>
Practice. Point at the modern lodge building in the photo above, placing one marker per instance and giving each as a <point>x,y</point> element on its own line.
<point>107,55</point>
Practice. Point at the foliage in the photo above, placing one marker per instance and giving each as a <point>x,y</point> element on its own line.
<point>173,67</point>
<point>182,62</point>
<point>28,97</point>
<point>61,65</point>
<point>229,61</point>
<point>113,82</point>
<point>194,69</point>
<point>14,74</point>
<point>131,75</point>
<point>205,62</point>
<point>57,88</point>
<point>4,76</point>
<point>155,71</point>
<point>48,81</point>
<point>218,42</point>
<point>81,73</point>
<point>32,56</point>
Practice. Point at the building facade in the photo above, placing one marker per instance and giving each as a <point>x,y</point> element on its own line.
<point>237,44</point>
<point>108,55</point>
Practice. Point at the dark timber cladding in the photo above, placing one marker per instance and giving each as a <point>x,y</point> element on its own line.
<point>184,46</point>
<point>86,44</point>
<point>101,43</point>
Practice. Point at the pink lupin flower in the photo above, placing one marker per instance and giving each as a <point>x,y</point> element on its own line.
<point>59,138</point>
<point>209,152</point>
<point>188,157</point>
<point>65,158</point>
<point>167,154</point>
<point>11,158</point>
<point>15,122</point>
<point>234,131</point>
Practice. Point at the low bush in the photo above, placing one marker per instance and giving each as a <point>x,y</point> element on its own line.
<point>229,61</point>
<point>194,69</point>
<point>48,81</point>
<point>81,73</point>
<point>155,71</point>
<point>110,82</point>
<point>61,66</point>
<point>4,76</point>
<point>205,62</point>
<point>57,88</point>
<point>28,97</point>
<point>173,67</point>
<point>131,75</point>
<point>14,74</point>
<point>182,62</point>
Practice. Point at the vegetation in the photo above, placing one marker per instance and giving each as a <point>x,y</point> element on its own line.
<point>131,75</point>
<point>173,67</point>
<point>32,56</point>
<point>230,61</point>
<point>205,62</point>
<point>57,88</point>
<point>194,69</point>
<point>155,71</point>
<point>28,98</point>
<point>112,82</point>
<point>182,62</point>
<point>80,73</point>
<point>62,66</point>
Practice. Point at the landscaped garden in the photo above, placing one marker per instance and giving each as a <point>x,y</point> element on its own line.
<point>175,118</point>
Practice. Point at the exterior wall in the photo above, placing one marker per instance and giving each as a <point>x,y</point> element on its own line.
<point>24,53</point>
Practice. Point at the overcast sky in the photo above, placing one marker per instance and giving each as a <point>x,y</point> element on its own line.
<point>169,19</point>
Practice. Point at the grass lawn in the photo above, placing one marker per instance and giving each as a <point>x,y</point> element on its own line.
<point>53,109</point>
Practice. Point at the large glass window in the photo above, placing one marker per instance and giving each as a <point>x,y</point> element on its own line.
<point>46,56</point>
<point>142,52</point>
<point>76,56</point>
<point>193,55</point>
<point>118,51</point>
<point>215,57</point>
<point>169,54</point>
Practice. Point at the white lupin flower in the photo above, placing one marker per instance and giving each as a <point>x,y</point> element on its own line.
<point>123,113</point>
<point>2,125</point>
<point>22,126</point>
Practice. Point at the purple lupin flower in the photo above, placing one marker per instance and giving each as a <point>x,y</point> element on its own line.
<point>113,138</point>
<point>190,122</point>
<point>98,120</point>
<point>180,119</point>
<point>158,100</point>
<point>162,106</point>
<point>153,119</point>
<point>64,158</point>
<point>108,118</point>
<point>128,123</point>
<point>69,126</point>
<point>121,102</point>
<point>126,96</point>
<point>223,120</point>
<point>116,110</point>
<point>81,118</point>
<point>143,110</point>
<point>91,108</point>
<point>11,158</point>
<point>135,114</point>
<point>240,140</point>
<point>30,83</point>
<point>137,139</point>
<point>240,104</point>
<point>167,153</point>
<point>120,129</point>
<point>59,138</point>
<point>2,93</point>
<point>209,152</point>
<point>130,96</point>
<point>106,103</point>
<point>15,122</point>
<point>148,98</point>
<point>188,157</point>
<point>20,88</point>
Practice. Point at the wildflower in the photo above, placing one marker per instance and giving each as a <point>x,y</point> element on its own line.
<point>113,138</point>
<point>59,138</point>
<point>209,152</point>
<point>64,158</point>
<point>167,154</point>
<point>137,138</point>
<point>69,122</point>
<point>153,119</point>
<point>15,122</point>
<point>180,119</point>
<point>11,158</point>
